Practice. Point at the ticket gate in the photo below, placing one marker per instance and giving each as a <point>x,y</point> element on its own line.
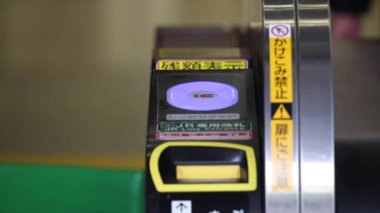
<point>241,120</point>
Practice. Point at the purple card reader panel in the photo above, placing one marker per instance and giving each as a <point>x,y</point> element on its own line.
<point>202,96</point>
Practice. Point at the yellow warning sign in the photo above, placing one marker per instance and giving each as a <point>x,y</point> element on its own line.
<point>282,155</point>
<point>281,94</point>
<point>281,113</point>
<point>281,68</point>
<point>201,64</point>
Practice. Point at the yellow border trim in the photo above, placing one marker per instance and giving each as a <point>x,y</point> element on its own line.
<point>203,187</point>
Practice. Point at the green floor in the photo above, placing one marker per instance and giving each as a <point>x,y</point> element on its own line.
<point>55,189</point>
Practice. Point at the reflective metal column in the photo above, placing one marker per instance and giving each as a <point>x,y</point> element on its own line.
<point>281,172</point>
<point>312,171</point>
<point>317,183</point>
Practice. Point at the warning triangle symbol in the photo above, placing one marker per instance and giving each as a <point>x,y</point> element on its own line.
<point>281,113</point>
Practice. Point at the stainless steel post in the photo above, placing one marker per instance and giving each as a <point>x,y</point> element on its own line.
<point>281,137</point>
<point>317,181</point>
<point>309,179</point>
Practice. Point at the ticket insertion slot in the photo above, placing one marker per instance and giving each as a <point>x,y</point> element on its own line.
<point>184,166</point>
<point>208,173</point>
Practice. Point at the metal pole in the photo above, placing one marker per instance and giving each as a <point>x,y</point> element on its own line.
<point>317,177</point>
<point>281,107</point>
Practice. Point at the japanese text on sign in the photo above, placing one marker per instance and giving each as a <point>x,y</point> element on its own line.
<point>282,155</point>
<point>281,64</point>
<point>281,98</point>
<point>170,65</point>
<point>204,126</point>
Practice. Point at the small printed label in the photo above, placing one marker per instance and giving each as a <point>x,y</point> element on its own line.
<point>181,206</point>
<point>239,135</point>
<point>204,126</point>
<point>196,117</point>
<point>198,64</point>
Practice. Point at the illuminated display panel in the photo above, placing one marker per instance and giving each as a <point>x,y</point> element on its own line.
<point>202,96</point>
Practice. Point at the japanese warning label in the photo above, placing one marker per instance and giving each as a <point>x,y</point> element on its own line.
<point>281,98</point>
<point>281,83</point>
<point>215,135</point>
<point>197,64</point>
<point>226,130</point>
<point>203,126</point>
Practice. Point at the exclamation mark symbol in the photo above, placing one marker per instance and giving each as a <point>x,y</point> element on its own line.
<point>281,113</point>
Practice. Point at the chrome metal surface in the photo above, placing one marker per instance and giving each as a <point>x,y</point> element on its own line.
<point>280,12</point>
<point>317,180</point>
<point>356,104</point>
<point>357,130</point>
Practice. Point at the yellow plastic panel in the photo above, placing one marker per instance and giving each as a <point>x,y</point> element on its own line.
<point>208,173</point>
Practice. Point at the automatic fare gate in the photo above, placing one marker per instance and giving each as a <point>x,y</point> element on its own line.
<point>241,121</point>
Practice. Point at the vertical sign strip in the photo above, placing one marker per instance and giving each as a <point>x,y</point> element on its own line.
<point>281,99</point>
<point>281,69</point>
